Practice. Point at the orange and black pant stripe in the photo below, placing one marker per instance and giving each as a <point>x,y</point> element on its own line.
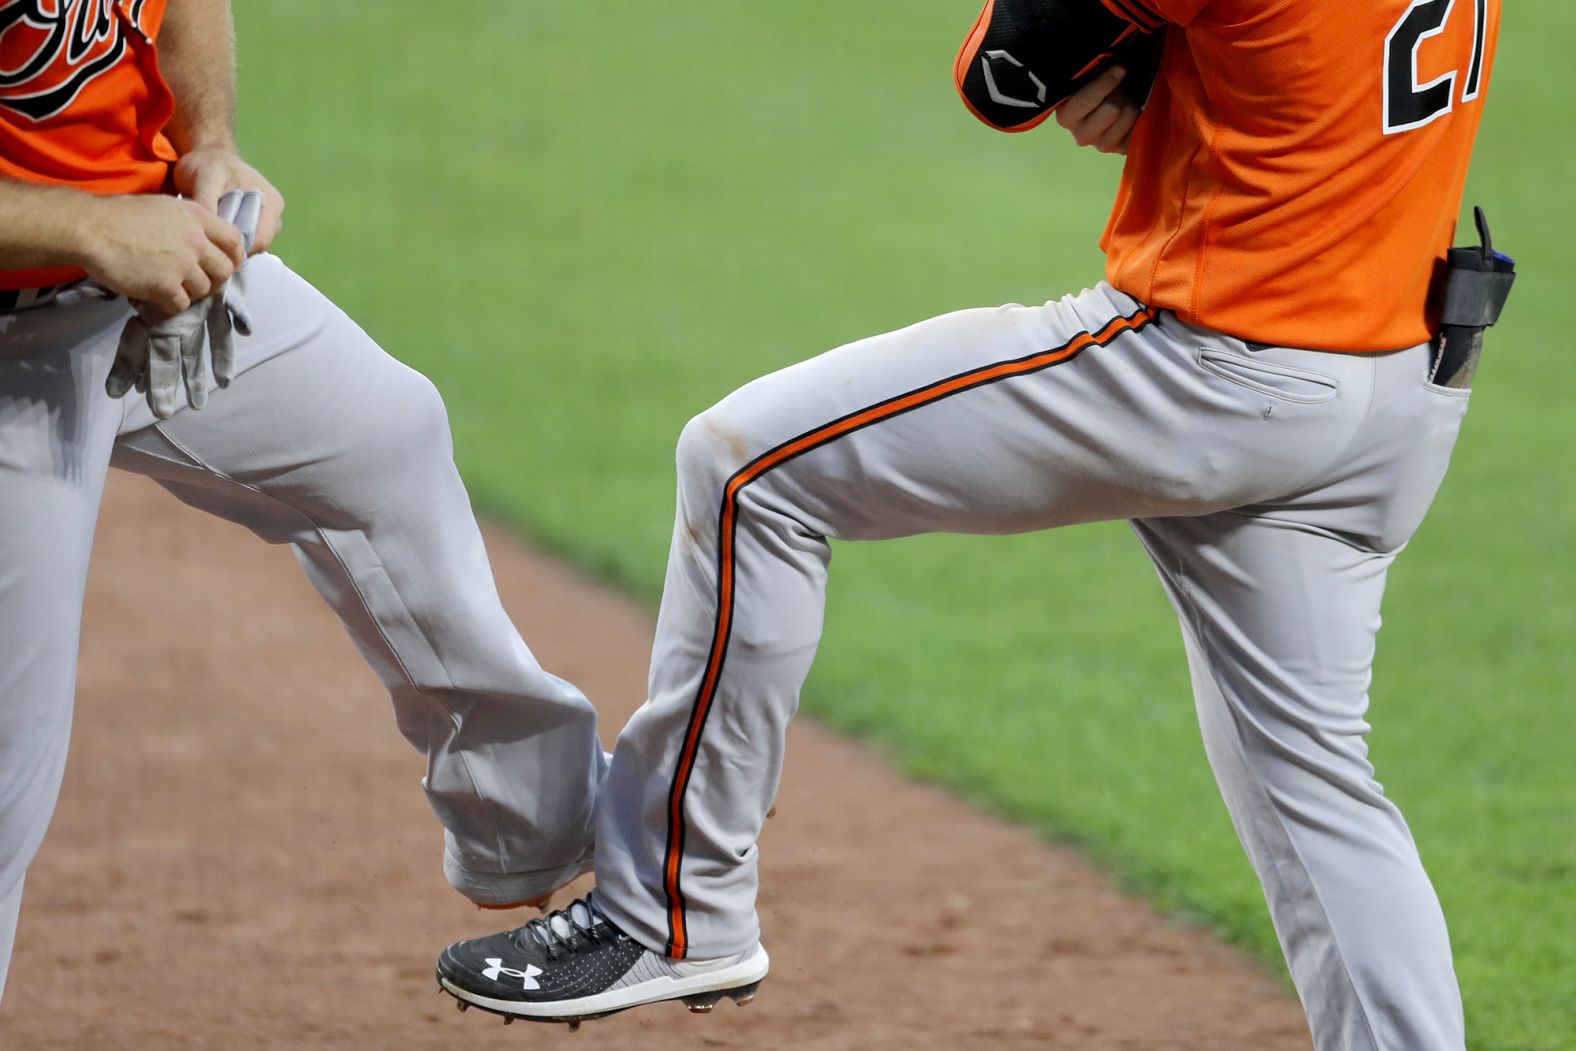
<point>678,936</point>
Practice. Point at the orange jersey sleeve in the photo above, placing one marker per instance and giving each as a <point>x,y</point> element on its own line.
<point>82,102</point>
<point>1297,174</point>
<point>1152,14</point>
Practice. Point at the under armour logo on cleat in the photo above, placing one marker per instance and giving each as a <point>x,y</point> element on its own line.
<point>527,977</point>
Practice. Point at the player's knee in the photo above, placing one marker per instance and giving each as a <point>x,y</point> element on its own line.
<point>416,421</point>
<point>711,447</point>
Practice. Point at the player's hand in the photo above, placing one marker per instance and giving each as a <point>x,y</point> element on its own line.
<point>208,172</point>
<point>159,353</point>
<point>1100,114</point>
<point>159,250</point>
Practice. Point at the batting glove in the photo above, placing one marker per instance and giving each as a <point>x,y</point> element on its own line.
<point>158,356</point>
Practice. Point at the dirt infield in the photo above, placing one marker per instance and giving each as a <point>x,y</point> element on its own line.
<point>242,857</point>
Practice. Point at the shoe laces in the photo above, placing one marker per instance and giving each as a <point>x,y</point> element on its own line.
<point>568,928</point>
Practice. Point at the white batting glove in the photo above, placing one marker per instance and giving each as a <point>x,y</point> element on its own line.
<point>158,356</point>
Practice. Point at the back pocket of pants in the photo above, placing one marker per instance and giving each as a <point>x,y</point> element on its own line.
<point>1268,378</point>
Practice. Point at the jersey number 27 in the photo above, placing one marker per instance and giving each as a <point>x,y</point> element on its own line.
<point>1408,104</point>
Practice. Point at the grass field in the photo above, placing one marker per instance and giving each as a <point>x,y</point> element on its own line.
<point>589,221</point>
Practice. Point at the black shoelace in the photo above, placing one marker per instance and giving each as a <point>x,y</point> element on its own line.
<point>569,928</point>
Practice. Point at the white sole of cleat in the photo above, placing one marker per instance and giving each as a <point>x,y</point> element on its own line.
<point>700,993</point>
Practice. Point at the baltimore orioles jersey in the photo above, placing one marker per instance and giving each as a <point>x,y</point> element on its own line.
<point>1296,176</point>
<point>82,102</point>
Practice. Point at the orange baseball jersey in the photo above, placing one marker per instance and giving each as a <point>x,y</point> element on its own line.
<point>1297,174</point>
<point>82,102</point>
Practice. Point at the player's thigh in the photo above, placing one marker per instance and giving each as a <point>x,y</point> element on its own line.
<point>1286,614</point>
<point>1013,419</point>
<point>56,429</point>
<point>319,417</point>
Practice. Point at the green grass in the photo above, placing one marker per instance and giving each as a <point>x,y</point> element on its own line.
<point>588,221</point>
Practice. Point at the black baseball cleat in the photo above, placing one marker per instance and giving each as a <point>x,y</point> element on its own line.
<point>574,965</point>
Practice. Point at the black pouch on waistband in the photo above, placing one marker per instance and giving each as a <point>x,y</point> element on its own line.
<point>1477,283</point>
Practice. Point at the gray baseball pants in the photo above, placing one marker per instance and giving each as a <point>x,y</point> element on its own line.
<point>1272,487</point>
<point>330,445</point>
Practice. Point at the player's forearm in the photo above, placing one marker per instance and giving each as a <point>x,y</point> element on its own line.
<point>197,57</point>
<point>197,54</point>
<point>44,226</point>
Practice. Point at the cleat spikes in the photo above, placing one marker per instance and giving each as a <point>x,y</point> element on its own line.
<point>744,993</point>
<point>702,1003</point>
<point>573,1023</point>
<point>508,1019</point>
<point>462,1005</point>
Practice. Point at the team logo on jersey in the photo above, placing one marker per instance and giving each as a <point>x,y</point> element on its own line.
<point>51,49</point>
